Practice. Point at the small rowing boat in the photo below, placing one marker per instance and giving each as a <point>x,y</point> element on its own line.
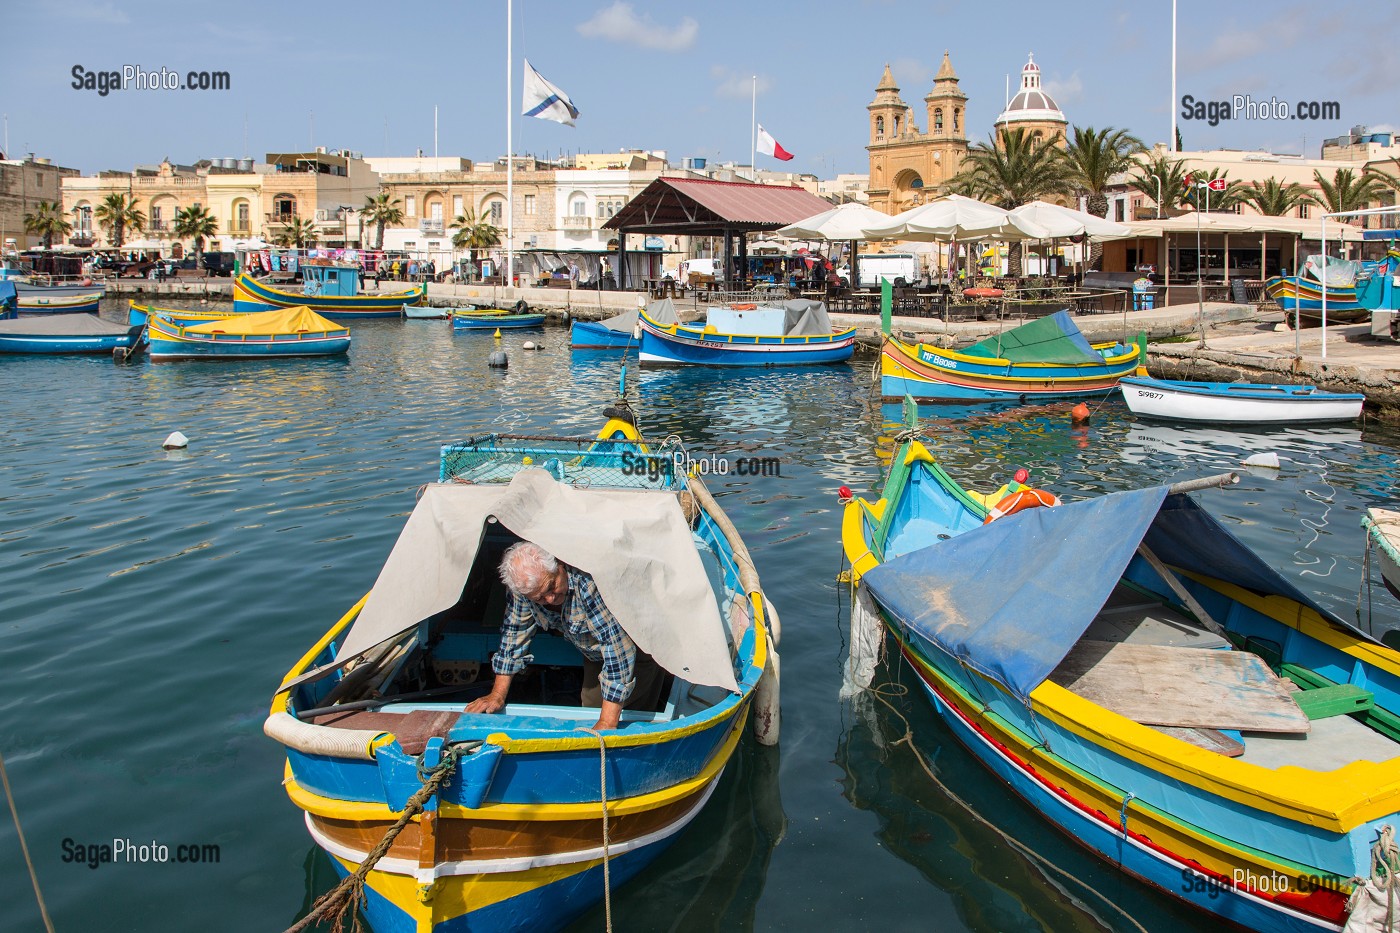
<point>787,333</point>
<point>1383,530</point>
<point>1239,402</point>
<point>493,318</point>
<point>33,305</point>
<point>68,333</point>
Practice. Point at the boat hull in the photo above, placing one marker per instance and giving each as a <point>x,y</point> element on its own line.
<point>1238,402</point>
<point>929,373</point>
<point>681,345</point>
<point>1383,527</point>
<point>252,295</point>
<point>172,342</point>
<point>34,306</point>
<point>462,321</point>
<point>1304,298</point>
<point>589,335</point>
<point>64,344</point>
<point>32,290</point>
<point>140,314</point>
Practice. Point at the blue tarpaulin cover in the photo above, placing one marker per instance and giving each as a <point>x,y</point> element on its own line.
<point>1011,598</point>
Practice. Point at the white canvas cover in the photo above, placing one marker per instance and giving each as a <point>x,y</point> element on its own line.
<point>635,543</point>
<point>1061,221</point>
<point>846,222</point>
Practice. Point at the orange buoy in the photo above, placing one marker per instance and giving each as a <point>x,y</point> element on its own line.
<point>1079,413</point>
<point>1019,502</point>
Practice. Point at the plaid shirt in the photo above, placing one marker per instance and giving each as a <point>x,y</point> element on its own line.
<point>586,621</point>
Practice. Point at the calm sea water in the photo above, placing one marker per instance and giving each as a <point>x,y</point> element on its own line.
<point>150,603</point>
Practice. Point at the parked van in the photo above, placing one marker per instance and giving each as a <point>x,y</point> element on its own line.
<point>872,267</point>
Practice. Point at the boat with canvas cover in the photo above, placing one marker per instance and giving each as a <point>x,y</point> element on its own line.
<point>1239,402</point>
<point>67,333</point>
<point>1354,289</point>
<point>282,332</point>
<point>1041,359</point>
<point>527,833</point>
<point>1180,709</point>
<point>328,288</point>
<point>786,333</point>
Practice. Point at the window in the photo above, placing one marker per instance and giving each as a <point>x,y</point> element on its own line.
<point>529,204</point>
<point>896,126</point>
<point>496,208</point>
<point>410,206</point>
<point>284,208</point>
<point>155,217</point>
<point>435,211</point>
<point>241,223</point>
<point>578,206</point>
<point>1303,211</point>
<point>957,118</point>
<point>938,120</point>
<point>1118,210</point>
<point>456,205</point>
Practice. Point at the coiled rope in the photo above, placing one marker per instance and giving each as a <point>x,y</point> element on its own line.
<point>343,901</point>
<point>24,847</point>
<point>607,855</point>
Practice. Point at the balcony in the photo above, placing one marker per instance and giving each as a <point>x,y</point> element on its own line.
<point>575,222</point>
<point>430,227</point>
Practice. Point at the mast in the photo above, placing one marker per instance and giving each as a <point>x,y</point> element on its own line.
<point>510,155</point>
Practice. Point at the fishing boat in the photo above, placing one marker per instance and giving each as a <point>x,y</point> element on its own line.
<point>494,318</point>
<point>282,332</point>
<point>1045,358</point>
<point>9,301</point>
<point>786,333</point>
<point>539,817</point>
<point>37,303</point>
<point>139,314</point>
<point>328,288</point>
<point>1383,533</point>
<point>68,333</point>
<point>425,313</point>
<point>1354,290</point>
<point>620,332</point>
<point>1179,709</point>
<point>41,285</point>
<point>1240,402</point>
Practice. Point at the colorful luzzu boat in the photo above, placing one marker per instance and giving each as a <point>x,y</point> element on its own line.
<point>182,317</point>
<point>283,332</point>
<point>1149,726</point>
<point>494,318</point>
<point>68,333</point>
<point>327,288</point>
<point>1346,304</point>
<point>789,333</point>
<point>32,305</point>
<point>527,832</point>
<point>1041,359</point>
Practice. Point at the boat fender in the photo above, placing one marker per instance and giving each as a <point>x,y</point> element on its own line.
<point>521,307</point>
<point>1079,413</point>
<point>767,710</point>
<point>1019,502</point>
<point>323,740</point>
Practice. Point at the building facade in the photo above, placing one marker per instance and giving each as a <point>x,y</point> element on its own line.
<point>909,167</point>
<point>24,183</point>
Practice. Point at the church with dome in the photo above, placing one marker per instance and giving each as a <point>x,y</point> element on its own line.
<point>909,167</point>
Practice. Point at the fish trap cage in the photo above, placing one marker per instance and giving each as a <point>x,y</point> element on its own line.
<point>578,461</point>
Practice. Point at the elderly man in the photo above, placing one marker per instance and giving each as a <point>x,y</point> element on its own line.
<point>546,593</point>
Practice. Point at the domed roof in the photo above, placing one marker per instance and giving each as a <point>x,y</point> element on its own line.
<point>1031,103</point>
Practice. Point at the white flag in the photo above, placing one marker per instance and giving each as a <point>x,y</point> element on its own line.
<point>544,100</point>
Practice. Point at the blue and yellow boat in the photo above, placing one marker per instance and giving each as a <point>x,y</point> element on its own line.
<point>788,333</point>
<point>34,305</point>
<point>1041,359</point>
<point>494,318</point>
<point>1144,681</point>
<point>540,815</point>
<point>138,314</point>
<point>1372,289</point>
<point>281,332</point>
<point>331,289</point>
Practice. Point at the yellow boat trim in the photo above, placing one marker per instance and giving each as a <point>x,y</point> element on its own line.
<point>279,701</point>
<point>361,811</point>
<point>862,558</point>
<point>916,453</point>
<point>709,329</point>
<point>301,298</point>
<point>912,353</point>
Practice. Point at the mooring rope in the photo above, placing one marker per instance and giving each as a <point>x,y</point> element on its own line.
<point>607,855</point>
<point>24,847</point>
<point>892,689</point>
<point>343,901</point>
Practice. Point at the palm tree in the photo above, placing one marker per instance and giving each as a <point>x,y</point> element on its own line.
<point>1017,169</point>
<point>47,222</point>
<point>1215,200</point>
<point>117,215</point>
<point>475,232</point>
<point>295,232</point>
<point>1346,191</point>
<point>1273,198</point>
<point>1163,180</point>
<point>196,223</point>
<point>382,210</point>
<point>1095,157</point>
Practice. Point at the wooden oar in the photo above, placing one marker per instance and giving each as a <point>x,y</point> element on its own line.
<point>1183,594</point>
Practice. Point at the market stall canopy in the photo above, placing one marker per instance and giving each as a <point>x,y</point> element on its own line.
<point>1229,222</point>
<point>142,244</point>
<point>956,218</point>
<point>1068,222</point>
<point>704,207</point>
<point>846,222</point>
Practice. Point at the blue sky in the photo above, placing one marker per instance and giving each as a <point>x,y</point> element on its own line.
<point>365,76</point>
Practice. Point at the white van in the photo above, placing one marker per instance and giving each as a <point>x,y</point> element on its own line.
<point>872,267</point>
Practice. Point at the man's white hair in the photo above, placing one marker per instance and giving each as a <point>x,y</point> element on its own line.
<point>526,567</point>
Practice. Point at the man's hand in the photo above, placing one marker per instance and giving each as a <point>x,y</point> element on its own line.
<point>608,716</point>
<point>495,701</point>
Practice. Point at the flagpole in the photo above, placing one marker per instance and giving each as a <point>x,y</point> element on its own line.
<point>753,132</point>
<point>510,155</point>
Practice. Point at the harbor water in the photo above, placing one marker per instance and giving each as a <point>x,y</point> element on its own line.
<point>150,602</point>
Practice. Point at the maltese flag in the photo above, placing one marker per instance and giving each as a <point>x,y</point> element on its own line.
<point>544,100</point>
<point>769,146</point>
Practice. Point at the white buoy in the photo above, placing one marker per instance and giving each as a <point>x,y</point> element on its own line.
<point>528,345</point>
<point>1267,461</point>
<point>176,441</point>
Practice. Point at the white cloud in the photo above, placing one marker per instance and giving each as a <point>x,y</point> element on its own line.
<point>1065,90</point>
<point>731,84</point>
<point>620,23</point>
<point>97,12</point>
